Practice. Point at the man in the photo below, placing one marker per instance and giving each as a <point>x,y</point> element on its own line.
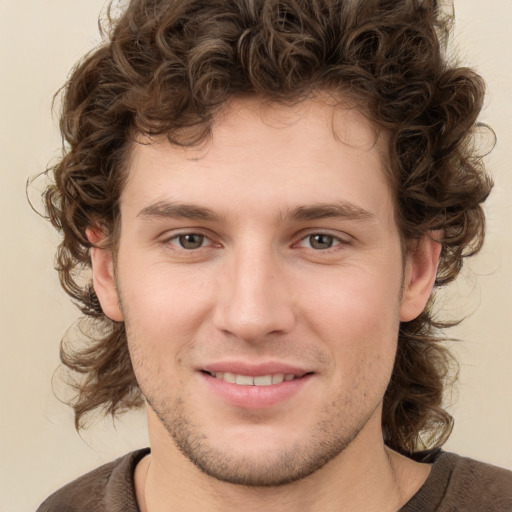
<point>267,193</point>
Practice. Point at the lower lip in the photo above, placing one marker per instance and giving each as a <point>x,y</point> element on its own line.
<point>256,397</point>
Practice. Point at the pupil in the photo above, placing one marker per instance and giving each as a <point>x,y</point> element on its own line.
<point>321,241</point>
<point>191,241</point>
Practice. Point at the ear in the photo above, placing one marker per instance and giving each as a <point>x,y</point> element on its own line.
<point>420,275</point>
<point>103,276</point>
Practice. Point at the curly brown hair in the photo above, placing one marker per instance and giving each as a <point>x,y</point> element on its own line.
<point>167,67</point>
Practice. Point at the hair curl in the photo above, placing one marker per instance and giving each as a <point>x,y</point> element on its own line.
<point>167,67</point>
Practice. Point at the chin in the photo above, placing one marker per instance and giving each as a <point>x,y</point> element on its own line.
<point>279,468</point>
<point>257,455</point>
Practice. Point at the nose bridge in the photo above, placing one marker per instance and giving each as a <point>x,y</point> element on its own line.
<point>254,299</point>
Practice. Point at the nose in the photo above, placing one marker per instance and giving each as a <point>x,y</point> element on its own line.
<point>254,302</point>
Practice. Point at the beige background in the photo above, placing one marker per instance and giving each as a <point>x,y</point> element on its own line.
<point>39,450</point>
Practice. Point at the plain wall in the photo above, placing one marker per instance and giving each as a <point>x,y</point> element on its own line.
<point>39,449</point>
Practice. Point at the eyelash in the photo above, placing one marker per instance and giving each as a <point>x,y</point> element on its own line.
<point>176,238</point>
<point>336,241</point>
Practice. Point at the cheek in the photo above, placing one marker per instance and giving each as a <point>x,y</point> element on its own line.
<point>162,300</point>
<point>356,300</point>
<point>358,317</point>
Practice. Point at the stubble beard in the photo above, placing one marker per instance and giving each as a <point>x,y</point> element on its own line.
<point>325,441</point>
<point>279,468</point>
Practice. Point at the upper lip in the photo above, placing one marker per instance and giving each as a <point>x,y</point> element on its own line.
<point>255,369</point>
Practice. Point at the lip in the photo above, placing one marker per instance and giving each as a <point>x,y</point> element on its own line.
<point>255,397</point>
<point>253,370</point>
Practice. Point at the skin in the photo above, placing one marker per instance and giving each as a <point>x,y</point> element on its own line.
<point>272,276</point>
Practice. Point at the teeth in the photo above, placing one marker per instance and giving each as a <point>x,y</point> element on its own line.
<point>228,377</point>
<point>244,380</point>
<point>279,377</point>
<point>264,380</point>
<point>260,380</point>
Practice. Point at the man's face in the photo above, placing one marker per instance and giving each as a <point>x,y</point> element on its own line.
<point>270,257</point>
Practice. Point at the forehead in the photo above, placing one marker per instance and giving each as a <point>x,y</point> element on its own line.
<point>313,151</point>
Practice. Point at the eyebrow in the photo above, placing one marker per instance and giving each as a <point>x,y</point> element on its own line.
<point>168,209</point>
<point>341,209</point>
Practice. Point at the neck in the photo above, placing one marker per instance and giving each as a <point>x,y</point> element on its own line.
<point>363,477</point>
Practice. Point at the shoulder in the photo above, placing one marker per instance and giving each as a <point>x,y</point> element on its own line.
<point>486,484</point>
<point>107,488</point>
<point>460,483</point>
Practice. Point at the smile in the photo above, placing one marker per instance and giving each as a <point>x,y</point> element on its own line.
<point>259,380</point>
<point>262,389</point>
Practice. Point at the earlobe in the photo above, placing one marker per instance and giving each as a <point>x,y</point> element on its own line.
<point>419,276</point>
<point>103,277</point>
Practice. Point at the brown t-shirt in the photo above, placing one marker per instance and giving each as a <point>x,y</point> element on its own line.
<point>455,484</point>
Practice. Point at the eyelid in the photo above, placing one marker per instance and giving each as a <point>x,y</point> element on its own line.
<point>342,238</point>
<point>177,238</point>
<point>170,237</point>
<point>173,235</point>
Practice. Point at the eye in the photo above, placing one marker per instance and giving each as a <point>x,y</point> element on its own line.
<point>189,241</point>
<point>320,241</point>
